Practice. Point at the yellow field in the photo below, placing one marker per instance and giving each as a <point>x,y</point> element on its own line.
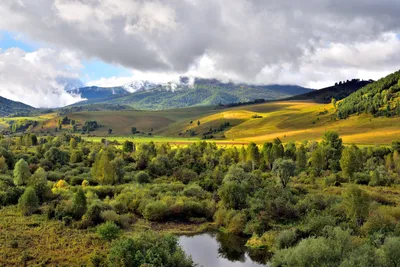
<point>288,120</point>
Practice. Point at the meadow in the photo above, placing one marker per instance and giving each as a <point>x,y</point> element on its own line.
<point>288,120</point>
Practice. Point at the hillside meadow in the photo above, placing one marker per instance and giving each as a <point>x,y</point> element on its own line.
<point>288,120</point>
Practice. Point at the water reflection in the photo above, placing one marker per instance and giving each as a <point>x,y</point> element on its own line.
<point>221,250</point>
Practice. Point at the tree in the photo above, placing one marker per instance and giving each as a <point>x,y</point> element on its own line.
<point>391,250</point>
<point>266,152</point>
<point>72,143</point>
<point>356,202</point>
<point>108,231</point>
<point>284,169</point>
<point>3,165</point>
<point>21,172</point>
<point>233,195</point>
<point>318,159</point>
<point>28,203</point>
<point>198,123</point>
<point>133,130</point>
<point>333,102</point>
<point>103,170</point>
<point>277,149</point>
<point>127,146</point>
<point>253,154</point>
<point>39,182</point>
<point>79,204</point>
<point>301,157</point>
<point>349,162</point>
<point>332,140</point>
<point>110,131</point>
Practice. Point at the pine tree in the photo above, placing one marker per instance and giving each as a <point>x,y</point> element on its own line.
<point>21,172</point>
<point>28,203</point>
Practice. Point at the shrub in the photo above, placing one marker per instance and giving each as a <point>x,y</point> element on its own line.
<point>108,231</point>
<point>148,249</point>
<point>155,211</point>
<point>142,177</point>
<point>287,238</point>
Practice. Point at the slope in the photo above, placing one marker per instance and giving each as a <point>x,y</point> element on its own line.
<point>9,107</point>
<point>338,91</point>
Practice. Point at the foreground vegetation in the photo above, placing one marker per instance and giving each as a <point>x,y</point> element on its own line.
<point>70,201</point>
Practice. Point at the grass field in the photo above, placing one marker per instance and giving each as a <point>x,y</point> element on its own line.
<point>288,120</point>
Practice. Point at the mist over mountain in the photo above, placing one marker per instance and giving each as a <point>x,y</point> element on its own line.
<point>185,93</point>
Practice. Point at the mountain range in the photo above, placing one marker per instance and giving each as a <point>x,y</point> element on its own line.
<point>186,93</point>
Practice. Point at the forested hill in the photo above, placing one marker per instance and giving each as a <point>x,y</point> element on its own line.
<point>339,91</point>
<point>9,107</point>
<point>203,92</point>
<point>380,98</point>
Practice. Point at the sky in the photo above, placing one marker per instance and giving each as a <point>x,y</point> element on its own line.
<point>46,45</point>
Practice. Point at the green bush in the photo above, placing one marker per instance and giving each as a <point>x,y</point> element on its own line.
<point>142,177</point>
<point>155,211</point>
<point>108,231</point>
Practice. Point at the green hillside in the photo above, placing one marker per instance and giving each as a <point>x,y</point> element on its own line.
<point>339,91</point>
<point>380,98</point>
<point>13,108</point>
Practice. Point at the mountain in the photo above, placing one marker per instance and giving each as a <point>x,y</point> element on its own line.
<point>9,107</point>
<point>380,98</point>
<point>338,91</point>
<point>186,93</point>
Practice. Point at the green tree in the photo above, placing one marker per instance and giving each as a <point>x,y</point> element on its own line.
<point>79,204</point>
<point>133,130</point>
<point>127,146</point>
<point>266,152</point>
<point>73,143</point>
<point>284,169</point>
<point>356,202</point>
<point>349,161</point>
<point>108,231</point>
<point>277,149</point>
<point>318,159</point>
<point>110,131</point>
<point>3,165</point>
<point>253,155</point>
<point>233,195</point>
<point>28,203</point>
<point>301,157</point>
<point>21,172</point>
<point>103,170</point>
<point>39,182</point>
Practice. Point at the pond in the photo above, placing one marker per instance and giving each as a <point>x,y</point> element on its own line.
<point>222,250</point>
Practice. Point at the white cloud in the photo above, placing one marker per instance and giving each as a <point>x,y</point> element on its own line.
<point>37,78</point>
<point>310,43</point>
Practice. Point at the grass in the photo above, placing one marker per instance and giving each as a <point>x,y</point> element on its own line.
<point>288,120</point>
<point>44,242</point>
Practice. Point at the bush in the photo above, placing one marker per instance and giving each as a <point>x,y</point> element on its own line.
<point>155,211</point>
<point>287,238</point>
<point>108,231</point>
<point>142,177</point>
<point>148,249</point>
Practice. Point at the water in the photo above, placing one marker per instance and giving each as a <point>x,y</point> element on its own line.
<point>222,250</point>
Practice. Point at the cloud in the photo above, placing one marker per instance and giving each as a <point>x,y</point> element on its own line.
<point>38,78</point>
<point>258,41</point>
